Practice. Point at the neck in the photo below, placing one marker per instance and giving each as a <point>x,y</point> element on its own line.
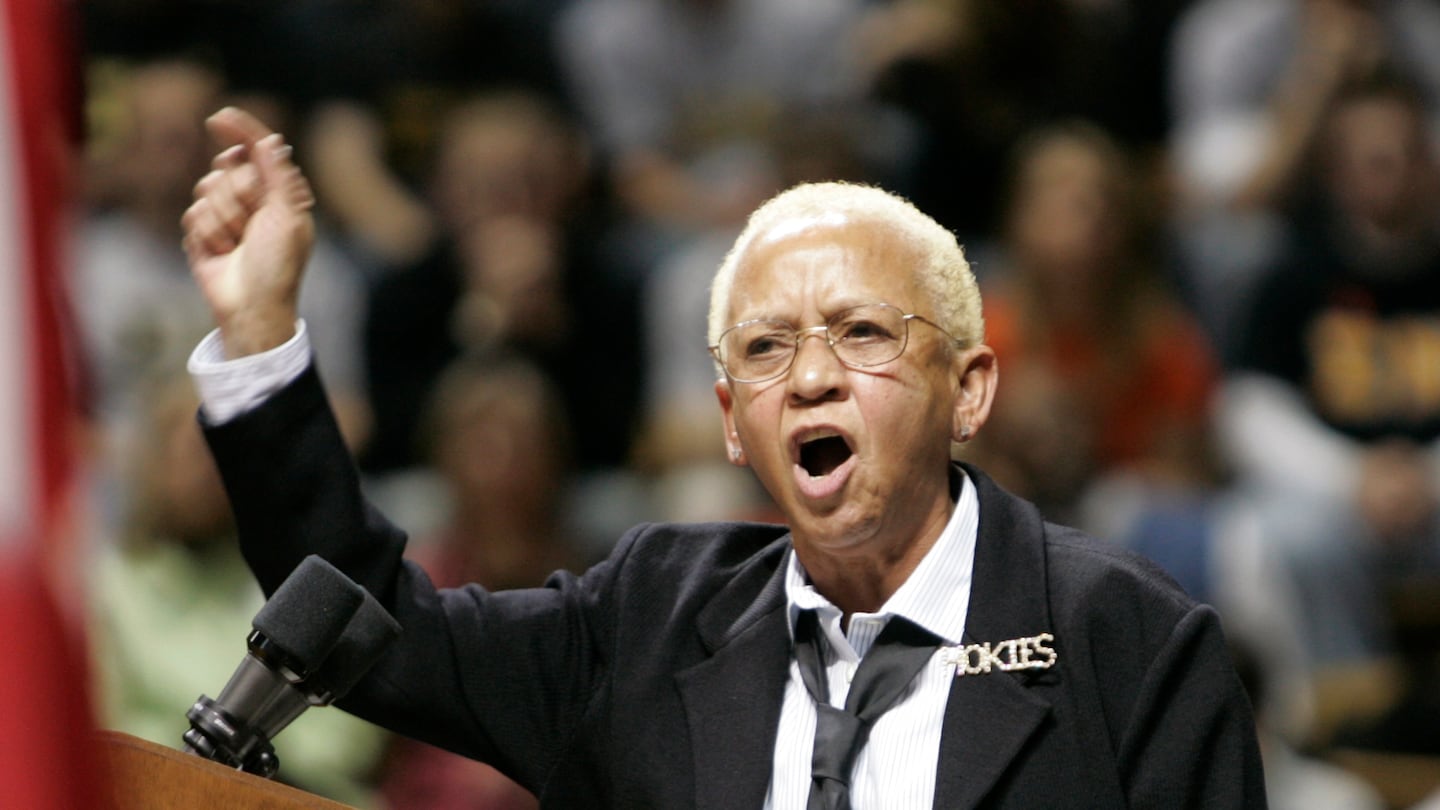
<point>860,579</point>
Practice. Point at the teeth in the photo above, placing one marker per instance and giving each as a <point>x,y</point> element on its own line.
<point>817,433</point>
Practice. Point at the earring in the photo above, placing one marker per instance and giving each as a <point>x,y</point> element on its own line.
<point>965,431</point>
<point>735,453</point>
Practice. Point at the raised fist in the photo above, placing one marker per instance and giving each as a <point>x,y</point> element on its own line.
<point>249,233</point>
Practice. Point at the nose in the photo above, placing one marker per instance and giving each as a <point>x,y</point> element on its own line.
<point>816,373</point>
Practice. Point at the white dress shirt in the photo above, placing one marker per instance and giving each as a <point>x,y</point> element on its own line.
<point>896,769</point>
<point>228,388</point>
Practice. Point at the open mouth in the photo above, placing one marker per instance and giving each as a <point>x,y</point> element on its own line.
<point>822,455</point>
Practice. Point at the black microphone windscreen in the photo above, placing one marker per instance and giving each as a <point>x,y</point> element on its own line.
<point>370,631</point>
<point>307,615</point>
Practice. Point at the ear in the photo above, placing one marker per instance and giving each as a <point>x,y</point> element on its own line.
<point>978,373</point>
<point>734,452</point>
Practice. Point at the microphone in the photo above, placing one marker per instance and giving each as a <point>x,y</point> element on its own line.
<point>371,630</point>
<point>311,642</point>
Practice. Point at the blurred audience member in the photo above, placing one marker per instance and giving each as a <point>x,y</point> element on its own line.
<point>1106,376</point>
<point>1333,420</point>
<point>1252,81</point>
<point>172,604</point>
<point>496,435</point>
<point>137,307</point>
<point>686,99</point>
<point>977,75</point>
<point>497,252</point>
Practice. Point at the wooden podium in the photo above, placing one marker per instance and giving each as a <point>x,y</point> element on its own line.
<point>146,776</point>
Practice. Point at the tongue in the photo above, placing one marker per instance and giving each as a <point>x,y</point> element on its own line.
<point>822,456</point>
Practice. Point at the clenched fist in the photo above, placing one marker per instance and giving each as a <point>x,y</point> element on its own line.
<point>249,233</point>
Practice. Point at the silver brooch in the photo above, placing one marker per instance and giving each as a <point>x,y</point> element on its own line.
<point>1032,652</point>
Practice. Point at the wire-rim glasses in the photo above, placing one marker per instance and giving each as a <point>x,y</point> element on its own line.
<point>861,337</point>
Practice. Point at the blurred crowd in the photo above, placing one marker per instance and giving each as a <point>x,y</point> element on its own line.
<point>1207,233</point>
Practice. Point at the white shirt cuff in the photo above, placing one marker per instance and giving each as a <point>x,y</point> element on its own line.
<point>229,388</point>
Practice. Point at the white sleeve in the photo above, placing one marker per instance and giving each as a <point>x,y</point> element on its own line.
<point>1268,432</point>
<point>1222,69</point>
<point>229,388</point>
<point>1216,157</point>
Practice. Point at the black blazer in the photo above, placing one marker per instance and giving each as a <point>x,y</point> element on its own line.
<point>655,679</point>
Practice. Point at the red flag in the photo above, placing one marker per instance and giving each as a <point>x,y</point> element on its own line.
<point>47,758</point>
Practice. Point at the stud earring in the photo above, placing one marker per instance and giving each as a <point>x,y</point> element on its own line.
<point>965,431</point>
<point>735,453</point>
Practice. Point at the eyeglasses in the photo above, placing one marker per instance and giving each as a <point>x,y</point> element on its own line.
<point>863,336</point>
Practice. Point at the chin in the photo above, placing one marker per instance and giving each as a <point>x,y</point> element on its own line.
<point>836,528</point>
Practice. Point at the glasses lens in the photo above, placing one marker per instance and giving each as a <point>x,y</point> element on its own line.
<point>863,336</point>
<point>868,335</point>
<point>757,350</point>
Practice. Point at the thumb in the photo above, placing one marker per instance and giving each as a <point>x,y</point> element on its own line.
<point>232,126</point>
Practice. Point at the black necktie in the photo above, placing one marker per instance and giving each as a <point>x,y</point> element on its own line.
<point>900,651</point>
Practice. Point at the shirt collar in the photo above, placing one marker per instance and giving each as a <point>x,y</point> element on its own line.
<point>936,596</point>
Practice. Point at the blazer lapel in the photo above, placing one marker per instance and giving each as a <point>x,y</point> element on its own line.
<point>989,717</point>
<point>987,720</point>
<point>732,699</point>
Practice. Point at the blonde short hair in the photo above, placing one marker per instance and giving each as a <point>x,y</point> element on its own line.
<point>944,274</point>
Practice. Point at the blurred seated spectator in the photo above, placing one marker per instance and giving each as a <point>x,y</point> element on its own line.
<point>1106,375</point>
<point>685,100</point>
<point>974,76</point>
<point>172,603</point>
<point>495,433</point>
<point>496,437</point>
<point>139,313</point>
<point>137,306</point>
<point>1251,82</point>
<point>1332,422</point>
<point>496,252</point>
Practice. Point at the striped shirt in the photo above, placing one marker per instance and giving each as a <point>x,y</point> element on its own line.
<point>896,769</point>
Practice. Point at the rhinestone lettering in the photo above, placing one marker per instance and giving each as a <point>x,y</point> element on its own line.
<point>1032,652</point>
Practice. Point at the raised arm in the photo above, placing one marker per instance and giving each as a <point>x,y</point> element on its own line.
<point>249,234</point>
<point>504,678</point>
